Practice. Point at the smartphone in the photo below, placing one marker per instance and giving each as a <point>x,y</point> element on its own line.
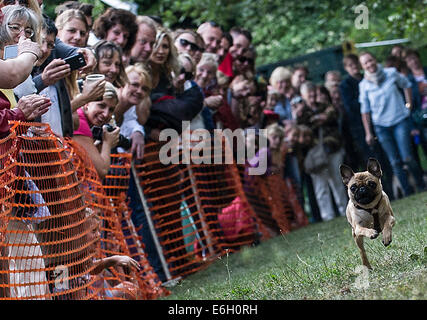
<point>76,61</point>
<point>10,52</point>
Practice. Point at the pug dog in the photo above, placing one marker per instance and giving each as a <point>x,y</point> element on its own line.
<point>368,211</point>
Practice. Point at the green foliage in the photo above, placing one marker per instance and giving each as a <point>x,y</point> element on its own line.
<point>285,29</point>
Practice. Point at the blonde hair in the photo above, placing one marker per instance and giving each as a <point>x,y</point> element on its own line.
<point>171,64</point>
<point>110,91</point>
<point>274,128</point>
<point>143,72</point>
<point>210,59</point>
<point>69,15</point>
<point>279,74</point>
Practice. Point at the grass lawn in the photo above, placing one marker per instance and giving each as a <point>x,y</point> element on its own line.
<point>321,261</point>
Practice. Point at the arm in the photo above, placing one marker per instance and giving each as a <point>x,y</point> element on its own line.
<point>408,97</point>
<point>113,261</point>
<point>91,92</point>
<point>367,125</point>
<point>101,159</point>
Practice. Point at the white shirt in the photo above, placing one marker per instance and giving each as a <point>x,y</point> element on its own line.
<point>53,115</point>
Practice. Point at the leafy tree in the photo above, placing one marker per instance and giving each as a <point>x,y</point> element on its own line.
<point>284,29</point>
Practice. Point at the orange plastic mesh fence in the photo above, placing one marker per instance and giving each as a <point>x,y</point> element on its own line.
<point>178,219</point>
<point>48,254</point>
<point>118,282</point>
<point>116,184</point>
<point>230,217</point>
<point>8,151</point>
<point>275,202</point>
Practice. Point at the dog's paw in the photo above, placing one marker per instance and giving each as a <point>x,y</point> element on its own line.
<point>373,234</point>
<point>386,238</point>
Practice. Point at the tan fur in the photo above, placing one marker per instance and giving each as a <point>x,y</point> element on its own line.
<point>361,220</point>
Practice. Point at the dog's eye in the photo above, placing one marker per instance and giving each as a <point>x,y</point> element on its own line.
<point>353,188</point>
<point>372,184</point>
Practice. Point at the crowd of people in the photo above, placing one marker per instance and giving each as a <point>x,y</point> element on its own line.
<point>141,77</point>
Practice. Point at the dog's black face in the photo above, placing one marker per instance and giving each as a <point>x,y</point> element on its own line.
<point>364,190</point>
<point>363,187</point>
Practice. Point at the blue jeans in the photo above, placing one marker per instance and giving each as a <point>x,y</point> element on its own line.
<point>396,142</point>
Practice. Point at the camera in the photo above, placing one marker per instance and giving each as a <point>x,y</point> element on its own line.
<point>124,142</point>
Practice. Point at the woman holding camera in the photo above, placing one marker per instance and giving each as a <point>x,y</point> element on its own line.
<point>97,114</point>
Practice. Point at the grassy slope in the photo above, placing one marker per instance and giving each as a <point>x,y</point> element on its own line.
<point>321,261</point>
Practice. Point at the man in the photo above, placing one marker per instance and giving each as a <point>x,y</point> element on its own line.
<point>212,35</point>
<point>242,39</point>
<point>145,39</point>
<point>299,76</point>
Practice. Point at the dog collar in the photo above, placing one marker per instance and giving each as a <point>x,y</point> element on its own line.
<point>377,226</point>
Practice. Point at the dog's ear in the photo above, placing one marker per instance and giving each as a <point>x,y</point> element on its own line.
<point>346,173</point>
<point>374,168</point>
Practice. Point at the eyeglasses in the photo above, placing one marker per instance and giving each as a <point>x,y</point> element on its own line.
<point>193,46</point>
<point>17,29</point>
<point>50,45</point>
<point>188,75</point>
<point>23,3</point>
<point>245,59</point>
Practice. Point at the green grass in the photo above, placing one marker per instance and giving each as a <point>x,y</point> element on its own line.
<point>321,261</point>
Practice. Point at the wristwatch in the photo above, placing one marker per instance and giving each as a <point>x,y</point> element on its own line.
<point>408,105</point>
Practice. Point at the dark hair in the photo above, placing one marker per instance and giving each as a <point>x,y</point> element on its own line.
<point>113,17</point>
<point>229,38</point>
<point>325,91</point>
<point>350,57</point>
<point>244,32</point>
<point>106,49</point>
<point>49,25</point>
<point>409,52</point>
<point>86,8</point>
<point>156,19</point>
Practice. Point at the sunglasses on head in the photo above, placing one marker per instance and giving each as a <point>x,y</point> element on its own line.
<point>193,46</point>
<point>245,59</point>
<point>188,75</point>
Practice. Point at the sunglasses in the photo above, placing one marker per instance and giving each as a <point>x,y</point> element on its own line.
<point>248,60</point>
<point>188,75</point>
<point>193,46</point>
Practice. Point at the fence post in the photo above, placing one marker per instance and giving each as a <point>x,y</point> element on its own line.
<point>150,223</point>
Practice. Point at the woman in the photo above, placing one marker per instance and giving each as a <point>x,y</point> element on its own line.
<point>163,62</point>
<point>118,26</point>
<point>280,80</point>
<point>18,24</point>
<point>206,79</point>
<point>110,63</point>
<point>98,113</point>
<point>72,28</point>
<point>383,107</point>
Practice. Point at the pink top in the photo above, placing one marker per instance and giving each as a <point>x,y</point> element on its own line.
<point>84,128</point>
